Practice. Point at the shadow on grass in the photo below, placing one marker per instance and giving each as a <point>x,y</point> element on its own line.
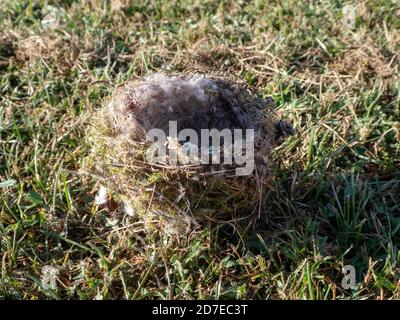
<point>331,221</point>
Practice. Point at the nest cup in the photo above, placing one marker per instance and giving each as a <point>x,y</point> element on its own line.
<point>164,193</point>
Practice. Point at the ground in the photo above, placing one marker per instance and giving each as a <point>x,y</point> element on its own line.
<point>335,200</point>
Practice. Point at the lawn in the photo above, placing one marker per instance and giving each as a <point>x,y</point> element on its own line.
<point>335,198</point>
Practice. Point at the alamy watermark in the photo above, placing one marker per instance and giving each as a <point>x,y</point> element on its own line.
<point>349,279</point>
<point>49,277</point>
<point>349,17</point>
<point>186,147</point>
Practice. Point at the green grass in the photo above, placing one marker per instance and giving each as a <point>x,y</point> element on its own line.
<point>336,197</point>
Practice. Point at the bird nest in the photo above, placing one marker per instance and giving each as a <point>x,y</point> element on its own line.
<point>184,184</point>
